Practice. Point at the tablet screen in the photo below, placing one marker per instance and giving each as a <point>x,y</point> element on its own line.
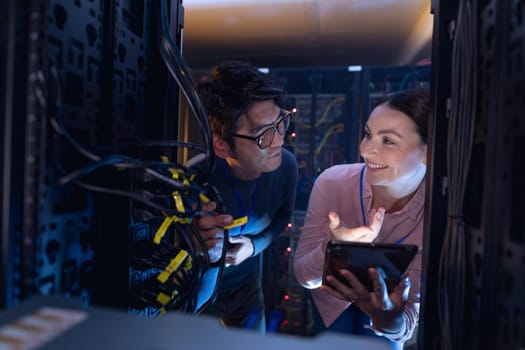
<point>357,257</point>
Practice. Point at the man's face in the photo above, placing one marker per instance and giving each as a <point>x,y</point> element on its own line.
<point>248,160</point>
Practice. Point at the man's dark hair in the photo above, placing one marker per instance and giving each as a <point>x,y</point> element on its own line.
<point>229,91</point>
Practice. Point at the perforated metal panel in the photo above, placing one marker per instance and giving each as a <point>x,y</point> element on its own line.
<point>74,36</point>
<point>502,102</point>
<point>493,307</point>
<point>97,62</point>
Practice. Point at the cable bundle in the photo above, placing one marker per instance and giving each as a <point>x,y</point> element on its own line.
<point>174,261</point>
<point>452,264</point>
<point>172,264</point>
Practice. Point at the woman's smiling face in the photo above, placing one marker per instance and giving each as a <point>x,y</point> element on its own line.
<point>392,148</point>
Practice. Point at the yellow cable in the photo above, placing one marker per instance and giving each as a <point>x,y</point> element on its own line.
<point>339,99</point>
<point>340,128</point>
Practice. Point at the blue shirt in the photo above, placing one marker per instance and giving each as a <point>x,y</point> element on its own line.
<point>272,211</point>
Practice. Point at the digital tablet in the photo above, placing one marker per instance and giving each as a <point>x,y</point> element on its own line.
<point>357,257</point>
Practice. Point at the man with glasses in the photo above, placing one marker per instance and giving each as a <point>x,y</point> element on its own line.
<point>265,138</point>
<point>256,179</point>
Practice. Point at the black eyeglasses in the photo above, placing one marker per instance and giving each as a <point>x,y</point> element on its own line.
<point>265,139</point>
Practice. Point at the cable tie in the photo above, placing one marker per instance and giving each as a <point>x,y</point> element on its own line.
<point>204,198</point>
<point>161,231</point>
<point>173,171</point>
<point>163,298</point>
<point>172,266</point>
<point>181,220</point>
<point>237,222</point>
<point>178,202</point>
<point>189,263</point>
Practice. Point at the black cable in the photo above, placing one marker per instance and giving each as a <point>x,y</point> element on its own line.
<point>187,284</point>
<point>133,196</point>
<point>117,161</point>
<point>452,264</point>
<point>183,284</point>
<point>175,64</point>
<point>61,130</point>
<point>157,143</point>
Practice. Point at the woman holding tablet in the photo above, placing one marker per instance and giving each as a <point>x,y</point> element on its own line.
<point>380,200</point>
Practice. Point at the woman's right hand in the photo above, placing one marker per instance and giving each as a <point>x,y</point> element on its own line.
<point>356,234</point>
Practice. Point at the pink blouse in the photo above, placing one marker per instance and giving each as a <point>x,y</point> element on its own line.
<point>337,190</point>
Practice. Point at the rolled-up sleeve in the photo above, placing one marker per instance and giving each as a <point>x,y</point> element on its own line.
<point>309,254</point>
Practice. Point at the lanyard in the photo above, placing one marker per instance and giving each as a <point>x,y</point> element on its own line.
<point>399,241</point>
<point>238,197</point>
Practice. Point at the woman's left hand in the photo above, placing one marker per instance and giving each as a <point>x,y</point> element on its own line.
<point>356,234</point>
<point>383,307</point>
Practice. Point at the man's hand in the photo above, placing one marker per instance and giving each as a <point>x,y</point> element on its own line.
<point>357,234</point>
<point>210,230</point>
<point>241,248</point>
